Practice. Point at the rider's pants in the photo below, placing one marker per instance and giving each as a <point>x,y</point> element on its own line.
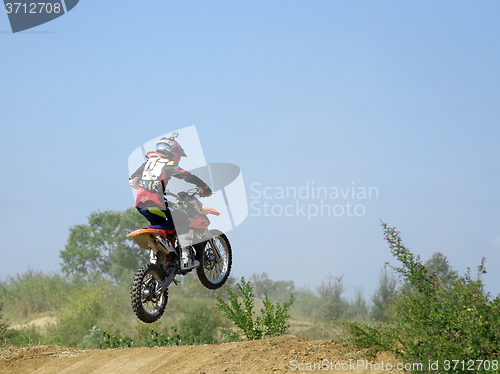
<point>167,218</point>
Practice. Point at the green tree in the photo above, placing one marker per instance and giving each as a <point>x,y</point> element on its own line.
<point>358,309</point>
<point>278,291</point>
<point>262,284</point>
<point>101,249</point>
<point>438,266</point>
<point>305,304</point>
<point>332,305</point>
<point>383,296</point>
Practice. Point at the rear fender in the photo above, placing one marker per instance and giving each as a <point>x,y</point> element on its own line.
<point>144,236</point>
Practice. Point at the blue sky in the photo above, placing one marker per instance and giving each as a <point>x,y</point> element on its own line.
<point>401,96</point>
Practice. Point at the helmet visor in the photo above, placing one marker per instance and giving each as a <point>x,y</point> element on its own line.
<point>163,149</point>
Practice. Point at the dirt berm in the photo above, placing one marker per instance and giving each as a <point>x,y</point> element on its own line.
<point>276,355</point>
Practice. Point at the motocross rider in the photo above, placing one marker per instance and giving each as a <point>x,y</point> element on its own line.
<point>151,179</point>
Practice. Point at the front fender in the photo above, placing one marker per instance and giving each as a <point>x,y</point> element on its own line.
<point>210,211</point>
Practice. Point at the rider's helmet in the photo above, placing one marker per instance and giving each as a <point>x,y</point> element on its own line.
<point>170,148</point>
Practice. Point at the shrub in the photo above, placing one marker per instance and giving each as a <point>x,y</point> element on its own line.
<point>84,309</point>
<point>32,293</point>
<point>24,337</point>
<point>92,339</point>
<point>96,338</point>
<point>273,319</point>
<point>199,325</point>
<point>435,320</point>
<point>157,339</point>
<point>111,341</point>
<point>103,340</point>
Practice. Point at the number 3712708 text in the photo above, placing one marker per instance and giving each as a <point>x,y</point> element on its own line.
<point>33,8</point>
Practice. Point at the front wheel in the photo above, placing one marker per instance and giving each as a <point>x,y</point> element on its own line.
<point>215,263</point>
<point>148,304</point>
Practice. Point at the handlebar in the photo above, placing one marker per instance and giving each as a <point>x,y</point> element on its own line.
<point>184,194</point>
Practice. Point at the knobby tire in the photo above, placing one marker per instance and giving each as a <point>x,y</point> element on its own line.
<point>212,273</point>
<point>147,306</point>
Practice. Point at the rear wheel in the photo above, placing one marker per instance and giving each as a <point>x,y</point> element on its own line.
<point>214,269</point>
<point>148,304</point>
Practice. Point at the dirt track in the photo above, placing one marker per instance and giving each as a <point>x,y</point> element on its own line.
<point>275,355</point>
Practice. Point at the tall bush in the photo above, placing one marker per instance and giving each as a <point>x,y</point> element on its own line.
<point>272,321</point>
<point>436,321</point>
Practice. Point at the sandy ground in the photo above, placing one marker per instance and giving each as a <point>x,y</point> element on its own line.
<point>276,355</point>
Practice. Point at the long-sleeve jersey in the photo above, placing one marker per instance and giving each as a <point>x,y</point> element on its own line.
<point>150,192</point>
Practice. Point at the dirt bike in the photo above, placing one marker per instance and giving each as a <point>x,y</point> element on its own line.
<point>149,288</point>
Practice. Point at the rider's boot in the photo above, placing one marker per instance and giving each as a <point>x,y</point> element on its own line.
<point>188,261</point>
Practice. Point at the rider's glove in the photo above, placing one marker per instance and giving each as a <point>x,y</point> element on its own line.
<point>206,191</point>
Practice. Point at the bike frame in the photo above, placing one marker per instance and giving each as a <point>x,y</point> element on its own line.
<point>146,238</point>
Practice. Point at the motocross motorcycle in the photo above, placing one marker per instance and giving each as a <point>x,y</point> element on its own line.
<point>149,288</point>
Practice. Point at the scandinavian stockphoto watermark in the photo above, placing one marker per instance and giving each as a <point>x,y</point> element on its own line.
<point>25,15</point>
<point>310,201</point>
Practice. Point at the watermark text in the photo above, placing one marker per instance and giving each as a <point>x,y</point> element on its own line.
<point>310,201</point>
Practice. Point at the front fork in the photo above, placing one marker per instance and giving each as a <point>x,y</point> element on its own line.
<point>212,244</point>
<point>160,258</point>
